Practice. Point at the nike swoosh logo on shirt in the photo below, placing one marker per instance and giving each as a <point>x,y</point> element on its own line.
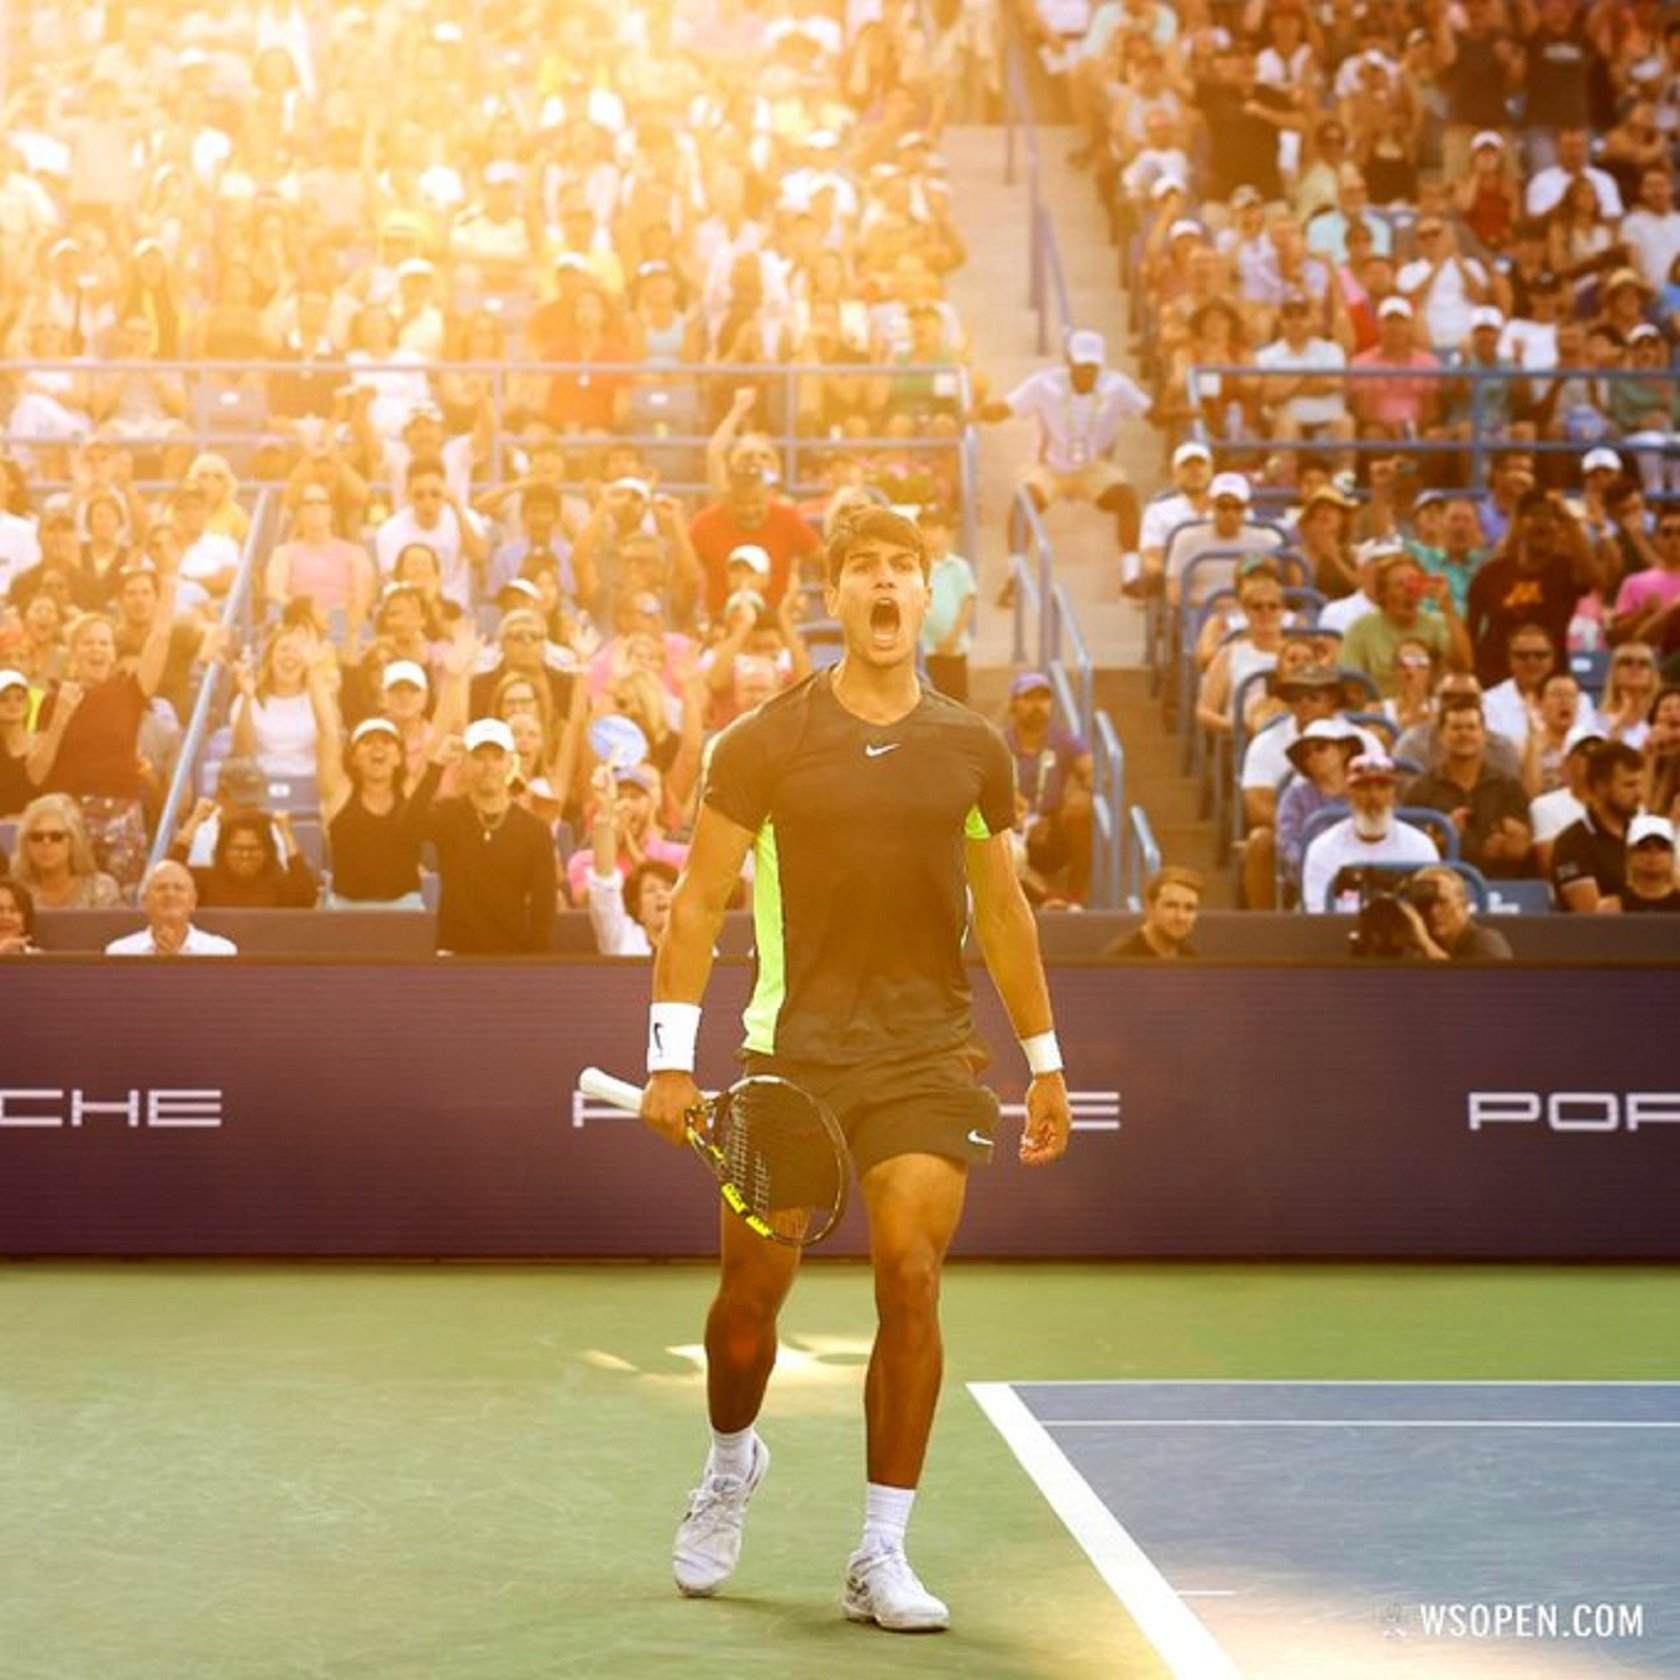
<point>875,751</point>
<point>980,1140</point>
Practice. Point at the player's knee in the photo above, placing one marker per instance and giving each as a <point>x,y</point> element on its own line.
<point>907,1283</point>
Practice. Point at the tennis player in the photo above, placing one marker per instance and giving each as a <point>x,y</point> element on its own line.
<point>870,803</point>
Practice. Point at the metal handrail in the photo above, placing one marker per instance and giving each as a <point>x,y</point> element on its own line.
<point>1479,445</point>
<point>1145,856</point>
<point>1045,276</point>
<point>1108,871</point>
<point>259,540</point>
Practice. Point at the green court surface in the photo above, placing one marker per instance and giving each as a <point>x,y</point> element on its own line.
<point>472,1473</point>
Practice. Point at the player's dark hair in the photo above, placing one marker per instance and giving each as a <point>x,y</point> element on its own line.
<point>871,524</point>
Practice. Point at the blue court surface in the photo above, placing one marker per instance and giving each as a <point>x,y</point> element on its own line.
<point>1293,1531</point>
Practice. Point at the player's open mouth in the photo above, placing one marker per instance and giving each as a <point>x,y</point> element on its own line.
<point>884,621</point>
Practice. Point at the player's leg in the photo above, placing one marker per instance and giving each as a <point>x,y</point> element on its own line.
<point>914,1203</point>
<point>753,1281</point>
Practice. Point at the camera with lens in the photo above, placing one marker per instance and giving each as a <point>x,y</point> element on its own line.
<point>1383,931</point>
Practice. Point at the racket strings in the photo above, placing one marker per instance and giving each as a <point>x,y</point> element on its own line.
<point>781,1153</point>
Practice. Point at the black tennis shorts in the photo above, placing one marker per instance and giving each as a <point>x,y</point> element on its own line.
<point>926,1105</point>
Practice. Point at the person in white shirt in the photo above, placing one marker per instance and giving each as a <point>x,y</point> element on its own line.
<point>1312,402</point>
<point>20,547</point>
<point>168,897</point>
<point>1186,502</point>
<point>1079,409</point>
<point>1342,614</point>
<point>1371,837</point>
<point>1443,287</point>
<point>1530,341</point>
<point>1506,706</point>
<point>1551,813</point>
<point>1652,230</point>
<point>1228,532</point>
<point>209,561</point>
<point>1546,189</point>
<point>437,518</point>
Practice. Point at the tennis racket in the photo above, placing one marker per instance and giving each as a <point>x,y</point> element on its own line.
<point>778,1154</point>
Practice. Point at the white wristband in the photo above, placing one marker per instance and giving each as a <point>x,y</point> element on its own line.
<point>672,1030</point>
<point>1043,1053</point>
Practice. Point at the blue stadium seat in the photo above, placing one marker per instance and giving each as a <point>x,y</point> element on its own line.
<point>1532,897</point>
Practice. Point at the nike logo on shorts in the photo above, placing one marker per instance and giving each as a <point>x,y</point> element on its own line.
<point>873,751</point>
<point>980,1140</point>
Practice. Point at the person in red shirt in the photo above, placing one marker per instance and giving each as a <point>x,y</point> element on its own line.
<point>88,745</point>
<point>1396,407</point>
<point>589,402</point>
<point>748,514</point>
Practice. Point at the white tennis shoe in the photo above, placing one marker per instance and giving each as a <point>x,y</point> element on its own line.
<point>881,1587</point>
<point>708,1544</point>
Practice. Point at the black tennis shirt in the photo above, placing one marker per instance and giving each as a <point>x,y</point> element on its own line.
<point>860,885</point>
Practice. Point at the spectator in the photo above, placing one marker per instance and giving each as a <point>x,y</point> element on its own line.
<point>1630,689</point>
<point>17,702</point>
<point>1553,812</point>
<point>1443,287</point>
<point>1413,606</point>
<point>209,560</point>
<point>1442,897</point>
<point>636,827</point>
<point>1309,403</point>
<point>1413,699</point>
<point>1186,503</point>
<point>17,919</point>
<point>947,634</point>
<point>169,897</point>
<point>1489,810</point>
<point>1320,756</point>
<point>55,860</point>
<point>539,534</point>
<point>1421,744</point>
<point>1509,707</point>
<point>1651,881</point>
<point>1254,648</point>
<point>1544,567</point>
<point>1053,776</point>
<point>435,517</point>
<point>1371,837</point>
<point>1172,899</point>
<point>749,514</point>
<point>1459,555</point>
<point>1589,859</point>
<point>1078,409</point>
<point>1652,229</point>
<point>1395,407</point>
<point>89,730</point>
<point>1552,723</point>
<point>496,863</point>
<point>246,871</point>
<point>273,721</point>
<point>1662,751</point>
<point>628,913</point>
<point>1229,531</point>
<point>333,575</point>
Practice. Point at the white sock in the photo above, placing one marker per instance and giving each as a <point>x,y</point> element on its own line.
<point>886,1515</point>
<point>731,1453</point>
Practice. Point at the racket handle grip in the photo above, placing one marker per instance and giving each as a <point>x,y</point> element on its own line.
<point>603,1087</point>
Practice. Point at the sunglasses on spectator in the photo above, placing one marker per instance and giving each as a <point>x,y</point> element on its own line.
<point>427,495</point>
<point>1531,653</point>
<point>1642,660</point>
<point>1266,603</point>
<point>53,835</point>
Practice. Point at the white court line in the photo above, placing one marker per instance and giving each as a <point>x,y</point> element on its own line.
<point>1348,1382</point>
<point>1182,1642</point>
<point>1354,1423</point>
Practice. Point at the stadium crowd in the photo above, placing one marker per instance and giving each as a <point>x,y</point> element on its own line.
<point>451,287</point>
<point>559,338</point>
<point>1405,288</point>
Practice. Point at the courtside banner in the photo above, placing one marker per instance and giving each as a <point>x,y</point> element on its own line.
<point>267,1108</point>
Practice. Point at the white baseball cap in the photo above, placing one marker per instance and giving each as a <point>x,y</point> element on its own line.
<point>1184,226</point>
<point>1193,450</point>
<point>1086,346</point>
<point>1486,316</point>
<point>404,671</point>
<point>637,486</point>
<point>1487,137</point>
<point>1601,460</point>
<point>1394,306</point>
<point>413,266</point>
<point>501,171</point>
<point>488,732</point>
<point>752,555</point>
<point>374,726</point>
<point>1231,484</point>
<point>1165,184</point>
<point>1648,826</point>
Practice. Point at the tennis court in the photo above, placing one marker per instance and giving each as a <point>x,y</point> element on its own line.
<point>391,1471</point>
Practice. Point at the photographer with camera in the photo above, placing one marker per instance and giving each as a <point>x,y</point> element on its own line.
<point>1440,898</point>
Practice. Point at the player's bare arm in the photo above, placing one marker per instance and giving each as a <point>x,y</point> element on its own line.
<point>683,963</point>
<point>1008,936</point>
